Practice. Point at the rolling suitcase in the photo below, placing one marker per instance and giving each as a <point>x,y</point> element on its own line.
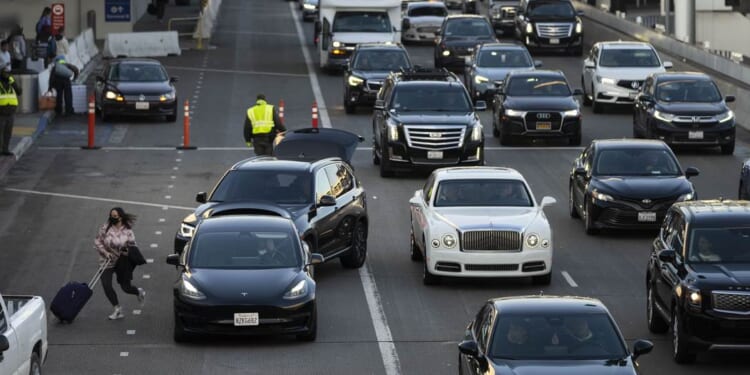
<point>71,298</point>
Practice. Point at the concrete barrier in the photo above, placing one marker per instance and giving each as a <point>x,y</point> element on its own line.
<point>142,44</point>
<point>205,26</point>
<point>83,53</point>
<point>88,37</point>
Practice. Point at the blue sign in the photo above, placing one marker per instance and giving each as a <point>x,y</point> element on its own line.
<point>117,10</point>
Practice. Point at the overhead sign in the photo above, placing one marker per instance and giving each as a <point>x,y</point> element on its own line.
<point>117,10</point>
<point>58,16</point>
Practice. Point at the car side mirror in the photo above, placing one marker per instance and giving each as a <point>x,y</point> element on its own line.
<point>538,63</point>
<point>577,92</point>
<point>641,347</point>
<point>548,201</point>
<point>469,347</point>
<point>667,256</point>
<point>729,99</point>
<point>405,24</point>
<point>379,104</point>
<point>201,197</point>
<point>172,79</point>
<point>668,65</point>
<point>580,13</point>
<point>173,259</point>
<point>588,64</point>
<point>691,172</point>
<point>327,201</point>
<point>316,258</point>
<point>580,171</point>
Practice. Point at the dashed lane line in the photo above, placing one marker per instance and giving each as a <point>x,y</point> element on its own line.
<point>569,279</point>
<point>234,71</point>
<point>98,199</point>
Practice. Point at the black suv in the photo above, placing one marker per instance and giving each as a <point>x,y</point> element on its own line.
<point>369,65</point>
<point>425,118</point>
<point>550,25</point>
<point>325,199</point>
<point>698,279</point>
<point>536,104</point>
<point>458,36</point>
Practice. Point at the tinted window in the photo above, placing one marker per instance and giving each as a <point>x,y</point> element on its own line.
<point>558,9</point>
<point>340,178</point>
<point>687,91</point>
<point>381,60</point>
<point>272,186</point>
<point>613,57</point>
<point>428,188</point>
<point>373,22</point>
<point>421,98</point>
<point>549,336</point>
<point>428,11</point>
<point>3,323</point>
<point>468,27</point>
<point>482,193</point>
<point>484,327</point>
<point>720,245</point>
<point>322,185</point>
<point>137,73</point>
<point>636,162</point>
<point>675,240</point>
<point>538,86</point>
<point>244,250</point>
<point>503,59</point>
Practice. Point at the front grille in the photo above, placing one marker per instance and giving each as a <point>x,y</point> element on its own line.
<point>374,85</point>
<point>497,240</point>
<point>491,267</point>
<point>628,84</point>
<point>651,204</point>
<point>554,30</point>
<point>731,302</point>
<point>146,98</point>
<point>532,118</point>
<point>427,29</point>
<point>628,217</point>
<point>434,137</point>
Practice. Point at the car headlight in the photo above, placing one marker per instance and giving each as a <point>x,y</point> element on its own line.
<point>309,6</point>
<point>336,44</point>
<point>111,95</point>
<point>666,117</point>
<point>694,297</point>
<point>579,28</point>
<point>686,197</point>
<point>513,113</point>
<point>726,116</point>
<point>355,81</point>
<point>168,96</point>
<point>476,133</point>
<point>188,290</point>
<point>392,132</point>
<point>532,240</point>
<point>572,113</point>
<point>297,291</point>
<point>601,196</point>
<point>449,241</point>
<point>187,230</point>
<point>529,28</point>
<point>480,79</point>
<point>446,53</point>
<point>605,80</point>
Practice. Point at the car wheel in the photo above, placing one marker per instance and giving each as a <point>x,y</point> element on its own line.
<point>505,138</point>
<point>356,256</point>
<point>375,158</point>
<point>35,365</point>
<point>656,323</point>
<point>575,140</point>
<point>172,117</point>
<point>180,335</point>
<point>542,279</point>
<point>312,332</point>
<point>427,277</point>
<point>596,106</point>
<point>385,164</point>
<point>349,108</point>
<point>728,149</point>
<point>416,255</point>
<point>588,222</point>
<point>586,100</point>
<point>571,203</point>
<point>680,348</point>
<point>495,132</point>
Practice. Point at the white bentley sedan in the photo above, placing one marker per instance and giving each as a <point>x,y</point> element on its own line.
<point>480,222</point>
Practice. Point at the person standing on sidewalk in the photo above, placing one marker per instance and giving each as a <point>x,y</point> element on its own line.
<point>262,123</point>
<point>161,5</point>
<point>112,243</point>
<point>4,56</point>
<point>62,45</point>
<point>17,48</point>
<point>60,79</point>
<point>9,92</point>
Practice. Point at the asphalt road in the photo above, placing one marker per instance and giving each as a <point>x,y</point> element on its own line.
<point>377,320</point>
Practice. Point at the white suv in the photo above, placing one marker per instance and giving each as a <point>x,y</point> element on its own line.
<point>421,21</point>
<point>613,72</point>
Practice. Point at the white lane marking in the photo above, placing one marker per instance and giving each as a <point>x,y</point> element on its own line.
<point>130,332</point>
<point>150,260</point>
<point>158,233</point>
<point>146,276</point>
<point>176,168</point>
<point>154,245</point>
<point>325,121</point>
<point>167,197</point>
<point>60,195</point>
<point>136,312</point>
<point>124,354</point>
<point>165,208</point>
<point>380,323</point>
<point>569,279</point>
<point>232,71</point>
<point>161,220</point>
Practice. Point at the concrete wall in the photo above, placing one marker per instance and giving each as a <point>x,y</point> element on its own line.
<point>723,30</point>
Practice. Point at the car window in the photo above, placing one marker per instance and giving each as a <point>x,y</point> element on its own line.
<point>137,73</point>
<point>666,225</point>
<point>595,54</point>
<point>3,322</point>
<point>484,328</point>
<point>503,59</point>
<point>468,27</point>
<point>291,187</point>
<point>628,57</point>
<point>636,162</point>
<point>440,98</point>
<point>676,236</point>
<point>691,91</point>
<point>372,22</point>
<point>538,86</point>
<point>588,156</point>
<point>381,60</point>
<point>428,188</point>
<point>340,179</point>
<point>244,250</point>
<point>322,185</point>
<point>428,11</point>
<point>720,245</point>
<point>549,9</point>
<point>482,193</point>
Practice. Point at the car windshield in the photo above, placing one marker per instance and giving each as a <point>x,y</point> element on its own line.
<point>636,162</point>
<point>244,250</point>
<point>538,86</point>
<point>482,193</point>
<point>440,98</point>
<point>427,11</point>
<point>695,91</point>
<point>628,58</point>
<point>380,60</point>
<point>294,187</point>
<point>137,73</point>
<point>557,9</point>
<point>549,336</point>
<point>468,28</point>
<point>359,22</point>
<point>719,245</point>
<point>503,59</point>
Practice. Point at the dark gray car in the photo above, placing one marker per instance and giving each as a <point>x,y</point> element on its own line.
<point>487,67</point>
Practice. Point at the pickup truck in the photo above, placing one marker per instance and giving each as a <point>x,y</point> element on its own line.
<point>23,334</point>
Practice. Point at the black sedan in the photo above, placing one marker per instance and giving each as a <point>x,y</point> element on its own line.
<point>459,36</point>
<point>369,65</point>
<point>627,183</point>
<point>136,87</point>
<point>536,104</point>
<point>684,109</point>
<point>245,275</point>
<point>745,181</point>
<point>546,335</point>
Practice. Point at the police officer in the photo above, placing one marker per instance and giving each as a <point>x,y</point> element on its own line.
<point>262,123</point>
<point>9,92</point>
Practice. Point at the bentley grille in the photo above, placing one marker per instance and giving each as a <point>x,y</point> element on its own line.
<point>493,240</point>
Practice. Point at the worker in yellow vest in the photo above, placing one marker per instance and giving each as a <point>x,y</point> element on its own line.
<point>9,92</point>
<point>262,123</point>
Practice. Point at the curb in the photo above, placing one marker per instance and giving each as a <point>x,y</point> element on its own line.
<point>25,143</point>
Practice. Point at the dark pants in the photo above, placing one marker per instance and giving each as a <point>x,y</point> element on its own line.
<point>64,91</point>
<point>6,130</point>
<point>262,146</point>
<point>110,292</point>
<point>160,6</point>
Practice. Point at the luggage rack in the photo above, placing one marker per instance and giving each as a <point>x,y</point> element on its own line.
<point>425,74</point>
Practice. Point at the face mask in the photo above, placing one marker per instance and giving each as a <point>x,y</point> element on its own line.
<point>113,221</point>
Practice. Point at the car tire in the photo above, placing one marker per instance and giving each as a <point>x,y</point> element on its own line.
<point>596,106</point>
<point>588,222</point>
<point>414,252</point>
<point>35,364</point>
<point>495,132</point>
<point>680,348</point>
<point>103,116</point>
<point>728,149</point>
<point>172,117</point>
<point>180,335</point>
<point>312,332</point>
<point>375,158</point>
<point>586,100</point>
<point>505,139</point>
<point>575,140</point>
<point>385,164</point>
<point>349,108</point>
<point>357,255</point>
<point>656,324</point>
<point>571,203</point>
<point>427,277</point>
<point>545,279</point>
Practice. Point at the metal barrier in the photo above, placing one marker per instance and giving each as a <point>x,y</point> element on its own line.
<point>195,21</point>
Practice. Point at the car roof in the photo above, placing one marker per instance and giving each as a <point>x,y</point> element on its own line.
<point>625,45</point>
<point>134,60</point>
<point>464,16</point>
<point>381,46</point>
<point>417,4</point>
<point>502,46</point>
<point>716,213</point>
<point>630,143</point>
<point>672,76</point>
<point>245,223</point>
<point>536,73</point>
<point>272,163</point>
<point>459,173</point>
<point>548,304</point>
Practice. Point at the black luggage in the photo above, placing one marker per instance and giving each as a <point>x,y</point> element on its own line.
<point>71,298</point>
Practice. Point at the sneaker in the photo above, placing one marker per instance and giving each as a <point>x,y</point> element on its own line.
<point>117,314</point>
<point>141,296</point>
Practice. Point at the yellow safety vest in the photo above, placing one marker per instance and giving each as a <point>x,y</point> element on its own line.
<point>261,117</point>
<point>8,95</point>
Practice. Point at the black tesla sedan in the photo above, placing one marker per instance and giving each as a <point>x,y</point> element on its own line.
<point>536,104</point>
<point>136,87</point>
<point>627,183</point>
<point>684,109</point>
<point>245,275</point>
<point>547,335</point>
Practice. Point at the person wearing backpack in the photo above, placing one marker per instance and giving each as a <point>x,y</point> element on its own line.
<point>60,79</point>
<point>17,43</point>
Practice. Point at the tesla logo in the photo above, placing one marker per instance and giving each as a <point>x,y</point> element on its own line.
<point>635,85</point>
<point>543,115</point>
<point>244,294</point>
<point>646,201</point>
<point>142,97</point>
<point>435,135</point>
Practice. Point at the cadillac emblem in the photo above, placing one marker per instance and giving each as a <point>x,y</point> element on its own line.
<point>435,135</point>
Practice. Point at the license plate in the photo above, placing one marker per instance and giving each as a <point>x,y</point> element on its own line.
<point>647,216</point>
<point>246,319</point>
<point>698,134</point>
<point>554,41</point>
<point>141,105</point>
<point>544,125</point>
<point>434,154</point>
<point>632,95</point>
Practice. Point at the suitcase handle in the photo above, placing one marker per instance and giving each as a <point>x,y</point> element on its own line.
<point>98,274</point>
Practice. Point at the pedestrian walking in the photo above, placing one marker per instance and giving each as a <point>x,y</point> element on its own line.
<point>262,123</point>
<point>9,92</point>
<point>112,242</point>
<point>60,80</point>
<point>44,25</point>
<point>4,56</point>
<point>17,43</point>
<point>61,44</point>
